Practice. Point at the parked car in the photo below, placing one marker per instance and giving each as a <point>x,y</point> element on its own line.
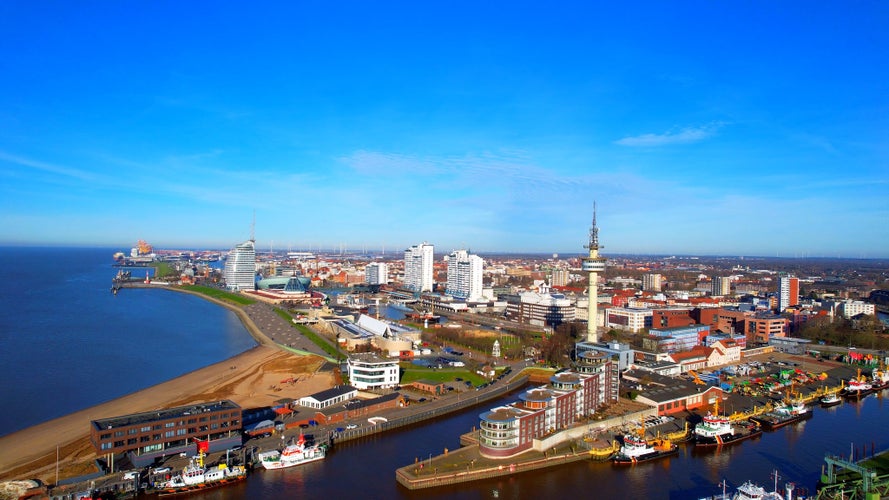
<point>351,426</point>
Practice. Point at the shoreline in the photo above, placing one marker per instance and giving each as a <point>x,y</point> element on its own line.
<point>245,378</point>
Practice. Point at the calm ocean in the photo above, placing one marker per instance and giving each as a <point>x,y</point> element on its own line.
<point>67,343</point>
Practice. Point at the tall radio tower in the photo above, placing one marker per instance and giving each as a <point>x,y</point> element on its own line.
<point>593,265</point>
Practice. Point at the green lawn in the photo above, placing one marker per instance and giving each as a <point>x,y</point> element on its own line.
<point>411,373</point>
<point>219,294</point>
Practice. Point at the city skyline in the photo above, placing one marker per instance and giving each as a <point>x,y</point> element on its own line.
<point>699,129</point>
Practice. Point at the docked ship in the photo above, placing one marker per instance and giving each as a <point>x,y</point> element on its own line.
<point>195,477</point>
<point>857,388</point>
<point>636,449</point>
<point>294,454</point>
<point>718,430</point>
<point>829,400</point>
<point>879,379</point>
<point>789,413</point>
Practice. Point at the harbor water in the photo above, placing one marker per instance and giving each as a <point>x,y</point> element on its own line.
<point>68,343</point>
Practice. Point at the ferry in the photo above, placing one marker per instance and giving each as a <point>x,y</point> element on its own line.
<point>195,477</point>
<point>297,453</point>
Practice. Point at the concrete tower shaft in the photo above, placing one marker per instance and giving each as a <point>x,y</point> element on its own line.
<point>593,265</point>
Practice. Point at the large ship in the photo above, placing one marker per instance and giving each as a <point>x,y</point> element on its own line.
<point>195,477</point>
<point>297,453</point>
<point>787,414</point>
<point>718,430</point>
<point>636,448</point>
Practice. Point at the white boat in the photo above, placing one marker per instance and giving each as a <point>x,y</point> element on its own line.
<point>195,477</point>
<point>297,453</point>
<point>832,399</point>
<point>751,491</point>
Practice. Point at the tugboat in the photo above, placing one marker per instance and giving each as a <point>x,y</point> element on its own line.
<point>637,449</point>
<point>718,430</point>
<point>297,453</point>
<point>789,413</point>
<point>879,379</point>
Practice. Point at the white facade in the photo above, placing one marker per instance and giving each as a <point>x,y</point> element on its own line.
<point>418,268</point>
<point>722,285</point>
<point>240,267</point>
<point>376,273</point>
<point>651,281</point>
<point>852,308</point>
<point>465,273</point>
<point>369,371</point>
<point>627,318</point>
<point>787,285</point>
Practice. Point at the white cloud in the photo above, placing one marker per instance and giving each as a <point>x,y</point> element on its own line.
<point>684,136</point>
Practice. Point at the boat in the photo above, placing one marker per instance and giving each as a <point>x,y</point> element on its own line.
<point>636,448</point>
<point>718,430</point>
<point>751,491</point>
<point>829,400</point>
<point>789,413</point>
<point>879,379</point>
<point>858,388</point>
<point>195,477</point>
<point>297,453</point>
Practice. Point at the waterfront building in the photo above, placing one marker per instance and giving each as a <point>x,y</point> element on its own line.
<point>418,266</point>
<point>240,267</point>
<point>146,436</point>
<point>391,338</point>
<point>329,397</point>
<point>376,273</point>
<point>628,318</point>
<point>671,397</point>
<point>593,265</point>
<point>722,285</point>
<point>622,353</point>
<point>370,371</point>
<point>788,292</point>
<point>651,282</point>
<point>539,308</point>
<point>465,273</point>
<point>851,308</point>
<point>790,345</point>
<point>285,284</point>
<point>508,430</point>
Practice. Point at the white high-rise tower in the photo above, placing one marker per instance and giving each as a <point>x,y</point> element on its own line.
<point>593,265</point>
<point>418,268</point>
<point>465,275</point>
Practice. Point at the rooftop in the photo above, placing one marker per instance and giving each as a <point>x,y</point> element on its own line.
<point>154,416</point>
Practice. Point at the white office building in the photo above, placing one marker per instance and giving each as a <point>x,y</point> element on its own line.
<point>369,371</point>
<point>376,273</point>
<point>465,275</point>
<point>418,268</point>
<point>240,267</point>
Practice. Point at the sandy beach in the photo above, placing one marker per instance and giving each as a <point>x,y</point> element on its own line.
<point>251,379</point>
<point>258,377</point>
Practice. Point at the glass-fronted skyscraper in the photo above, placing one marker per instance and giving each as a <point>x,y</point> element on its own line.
<point>240,267</point>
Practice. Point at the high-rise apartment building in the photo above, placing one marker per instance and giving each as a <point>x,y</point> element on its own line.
<point>376,273</point>
<point>418,268</point>
<point>240,267</point>
<point>721,286</point>
<point>652,282</point>
<point>464,275</point>
<point>559,277</point>
<point>788,292</point>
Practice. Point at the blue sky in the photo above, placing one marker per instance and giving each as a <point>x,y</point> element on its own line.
<point>736,128</point>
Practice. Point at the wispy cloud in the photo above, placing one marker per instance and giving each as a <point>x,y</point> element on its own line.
<point>682,136</point>
<point>47,167</point>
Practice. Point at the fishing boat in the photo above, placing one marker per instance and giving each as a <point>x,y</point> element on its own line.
<point>718,430</point>
<point>787,414</point>
<point>297,453</point>
<point>636,448</point>
<point>829,400</point>
<point>195,477</point>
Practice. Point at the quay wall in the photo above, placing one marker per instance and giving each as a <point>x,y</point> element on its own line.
<point>580,431</point>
